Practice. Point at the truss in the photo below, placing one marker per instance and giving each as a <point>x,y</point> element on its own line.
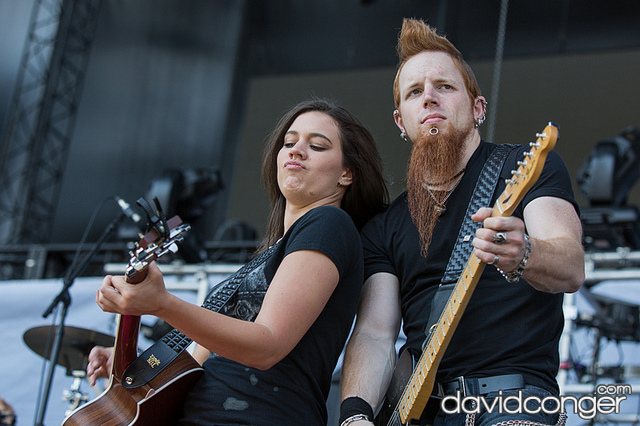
<point>41,116</point>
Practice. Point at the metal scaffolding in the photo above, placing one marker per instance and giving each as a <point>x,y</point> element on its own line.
<point>41,116</point>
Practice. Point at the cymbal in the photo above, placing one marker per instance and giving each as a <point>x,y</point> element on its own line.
<point>75,347</point>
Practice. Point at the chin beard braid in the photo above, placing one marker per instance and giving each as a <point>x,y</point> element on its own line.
<point>433,159</point>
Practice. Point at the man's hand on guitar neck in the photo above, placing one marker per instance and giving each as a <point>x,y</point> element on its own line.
<point>506,254</point>
<point>556,262</point>
<point>100,364</point>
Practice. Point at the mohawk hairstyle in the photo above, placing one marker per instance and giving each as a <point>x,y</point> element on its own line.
<point>415,37</point>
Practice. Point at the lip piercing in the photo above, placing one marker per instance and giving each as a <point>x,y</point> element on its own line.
<point>433,131</point>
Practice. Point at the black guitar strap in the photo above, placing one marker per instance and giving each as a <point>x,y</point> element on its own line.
<point>485,186</point>
<point>159,355</point>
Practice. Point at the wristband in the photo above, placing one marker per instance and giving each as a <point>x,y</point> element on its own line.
<point>354,408</point>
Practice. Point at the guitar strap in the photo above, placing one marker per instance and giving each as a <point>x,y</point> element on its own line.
<point>159,355</point>
<point>485,186</point>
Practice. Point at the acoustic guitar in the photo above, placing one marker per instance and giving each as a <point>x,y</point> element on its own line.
<point>159,401</point>
<point>412,386</point>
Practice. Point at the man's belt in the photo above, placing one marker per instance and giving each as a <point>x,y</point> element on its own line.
<point>483,385</point>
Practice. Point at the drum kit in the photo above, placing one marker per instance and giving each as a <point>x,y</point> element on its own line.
<point>74,355</point>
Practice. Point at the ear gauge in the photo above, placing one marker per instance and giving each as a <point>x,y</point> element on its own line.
<point>484,114</point>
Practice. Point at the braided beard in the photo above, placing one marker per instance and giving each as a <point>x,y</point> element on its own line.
<point>433,159</point>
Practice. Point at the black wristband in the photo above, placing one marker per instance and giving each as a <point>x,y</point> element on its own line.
<point>354,405</point>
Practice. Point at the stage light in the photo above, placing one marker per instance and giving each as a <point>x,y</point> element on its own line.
<point>611,169</point>
<point>187,193</point>
<point>605,179</point>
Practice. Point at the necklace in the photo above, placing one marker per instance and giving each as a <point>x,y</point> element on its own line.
<point>440,205</point>
<point>456,176</point>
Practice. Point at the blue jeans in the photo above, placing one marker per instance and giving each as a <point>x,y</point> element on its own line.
<point>496,408</point>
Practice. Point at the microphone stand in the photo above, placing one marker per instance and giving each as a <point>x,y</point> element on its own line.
<point>64,299</point>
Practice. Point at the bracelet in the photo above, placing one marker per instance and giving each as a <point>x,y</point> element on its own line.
<point>355,418</point>
<point>514,276</point>
<point>354,408</point>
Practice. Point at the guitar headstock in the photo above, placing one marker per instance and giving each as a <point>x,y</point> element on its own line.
<point>528,171</point>
<point>154,245</point>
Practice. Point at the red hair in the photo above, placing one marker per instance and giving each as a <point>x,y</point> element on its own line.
<point>415,37</point>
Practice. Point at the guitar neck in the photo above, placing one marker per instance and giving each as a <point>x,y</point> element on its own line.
<point>126,341</point>
<point>417,392</point>
<point>157,242</point>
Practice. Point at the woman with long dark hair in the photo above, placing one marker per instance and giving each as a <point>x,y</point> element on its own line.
<point>271,351</point>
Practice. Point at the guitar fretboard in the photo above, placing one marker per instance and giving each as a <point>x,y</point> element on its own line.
<point>416,395</point>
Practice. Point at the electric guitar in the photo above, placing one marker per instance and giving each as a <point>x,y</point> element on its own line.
<point>159,400</point>
<point>404,404</point>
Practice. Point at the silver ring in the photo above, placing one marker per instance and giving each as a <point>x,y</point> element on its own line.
<point>495,260</point>
<point>500,238</point>
<point>433,131</point>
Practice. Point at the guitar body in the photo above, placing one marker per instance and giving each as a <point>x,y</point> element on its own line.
<point>401,377</point>
<point>157,403</point>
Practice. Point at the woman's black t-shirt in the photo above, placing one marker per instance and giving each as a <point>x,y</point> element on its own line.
<point>294,391</point>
